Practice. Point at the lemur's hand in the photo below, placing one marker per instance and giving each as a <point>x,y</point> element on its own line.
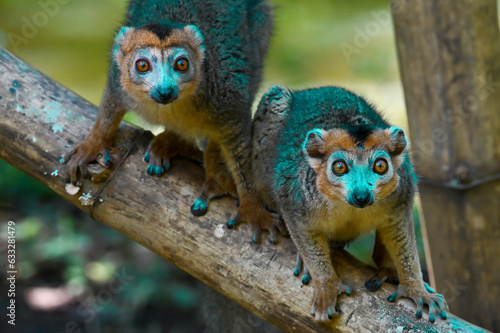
<point>260,219</point>
<point>422,294</point>
<point>161,149</point>
<point>325,298</point>
<point>86,151</point>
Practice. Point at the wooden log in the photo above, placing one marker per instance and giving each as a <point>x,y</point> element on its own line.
<point>41,120</point>
<point>449,58</point>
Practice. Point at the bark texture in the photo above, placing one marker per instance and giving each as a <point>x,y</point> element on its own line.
<point>41,120</point>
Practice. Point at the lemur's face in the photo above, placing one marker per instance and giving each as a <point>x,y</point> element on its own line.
<point>354,172</point>
<point>159,64</point>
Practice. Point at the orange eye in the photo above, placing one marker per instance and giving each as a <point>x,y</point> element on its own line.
<point>380,167</point>
<point>142,66</point>
<point>182,64</point>
<point>339,167</point>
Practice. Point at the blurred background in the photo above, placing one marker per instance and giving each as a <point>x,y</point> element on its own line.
<point>70,266</point>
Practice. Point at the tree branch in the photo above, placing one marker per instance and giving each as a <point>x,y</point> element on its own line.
<point>41,120</point>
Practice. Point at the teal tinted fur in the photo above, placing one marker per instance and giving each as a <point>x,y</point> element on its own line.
<point>323,108</point>
<point>231,67</point>
<point>334,169</point>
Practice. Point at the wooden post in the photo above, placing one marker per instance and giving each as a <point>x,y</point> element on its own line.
<point>41,120</point>
<point>449,57</point>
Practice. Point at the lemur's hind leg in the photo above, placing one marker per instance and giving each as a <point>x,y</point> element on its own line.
<point>386,268</point>
<point>218,180</point>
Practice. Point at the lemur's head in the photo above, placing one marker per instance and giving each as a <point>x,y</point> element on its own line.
<point>161,62</point>
<point>357,165</point>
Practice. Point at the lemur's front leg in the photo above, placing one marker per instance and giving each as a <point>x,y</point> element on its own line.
<point>386,270</point>
<point>99,140</point>
<point>218,180</point>
<point>315,252</point>
<point>398,236</point>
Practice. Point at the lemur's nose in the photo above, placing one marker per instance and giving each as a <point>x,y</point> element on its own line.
<point>164,95</point>
<point>362,198</point>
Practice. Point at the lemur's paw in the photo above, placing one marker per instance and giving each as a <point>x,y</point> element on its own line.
<point>325,298</point>
<point>260,219</point>
<point>383,275</point>
<point>80,156</point>
<point>421,295</point>
<point>158,155</point>
<point>199,207</point>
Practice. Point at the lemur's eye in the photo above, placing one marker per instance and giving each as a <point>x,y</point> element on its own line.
<point>182,64</point>
<point>380,167</point>
<point>142,65</point>
<point>339,167</point>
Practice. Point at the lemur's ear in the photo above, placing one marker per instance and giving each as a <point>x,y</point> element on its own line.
<point>277,100</point>
<point>397,140</point>
<point>121,40</point>
<point>314,144</point>
<point>195,33</point>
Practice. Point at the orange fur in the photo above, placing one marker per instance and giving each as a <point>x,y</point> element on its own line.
<point>335,193</point>
<point>138,38</point>
<point>336,139</point>
<point>377,139</point>
<point>381,140</point>
<point>387,188</point>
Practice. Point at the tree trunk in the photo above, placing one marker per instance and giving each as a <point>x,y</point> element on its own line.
<point>41,120</point>
<point>449,56</point>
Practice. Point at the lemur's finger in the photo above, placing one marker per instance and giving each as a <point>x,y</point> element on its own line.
<point>420,305</point>
<point>83,169</point>
<point>282,228</point>
<point>256,236</point>
<point>429,288</point>
<point>150,170</point>
<point>68,156</point>
<point>273,236</point>
<point>306,278</point>
<point>234,222</point>
<point>443,315</point>
<point>394,297</point>
<point>441,302</point>
<point>433,307</point>
<point>106,154</point>
<point>298,266</point>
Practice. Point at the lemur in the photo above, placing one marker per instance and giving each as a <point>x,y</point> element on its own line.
<point>193,67</point>
<point>334,169</point>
